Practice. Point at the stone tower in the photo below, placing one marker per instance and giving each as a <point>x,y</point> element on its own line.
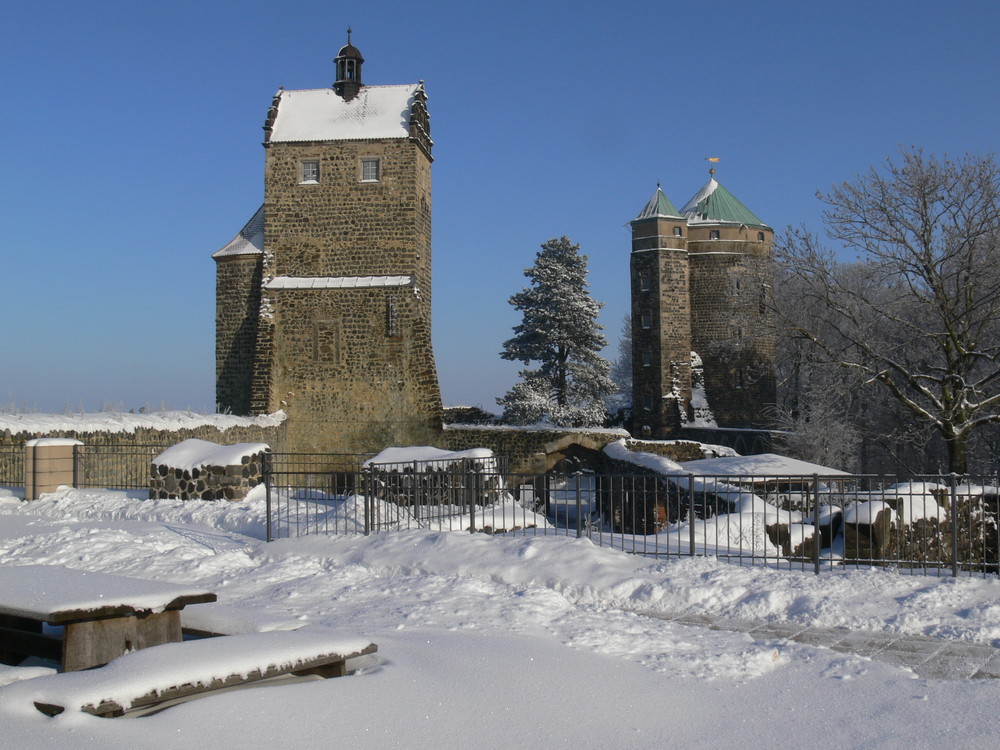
<point>339,310</point>
<point>661,319</point>
<point>702,330</point>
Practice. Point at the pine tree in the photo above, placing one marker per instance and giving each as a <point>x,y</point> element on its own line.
<point>558,331</point>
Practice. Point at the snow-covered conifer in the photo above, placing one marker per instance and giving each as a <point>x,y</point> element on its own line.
<point>560,333</point>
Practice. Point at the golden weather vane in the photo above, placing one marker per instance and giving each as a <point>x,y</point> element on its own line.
<point>713,160</point>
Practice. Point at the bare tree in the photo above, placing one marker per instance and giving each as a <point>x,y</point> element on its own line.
<point>918,313</point>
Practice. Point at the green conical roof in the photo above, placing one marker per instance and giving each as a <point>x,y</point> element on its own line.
<point>713,204</point>
<point>659,206</point>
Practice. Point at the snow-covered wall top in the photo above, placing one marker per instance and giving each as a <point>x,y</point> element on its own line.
<point>322,115</point>
<point>541,428</point>
<point>428,456</point>
<point>660,464</point>
<point>195,454</point>
<point>129,423</point>
<point>51,442</point>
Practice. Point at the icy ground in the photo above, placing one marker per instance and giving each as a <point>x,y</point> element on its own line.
<point>515,642</point>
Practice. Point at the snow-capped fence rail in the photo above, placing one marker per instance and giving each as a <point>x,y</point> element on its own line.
<point>938,526</point>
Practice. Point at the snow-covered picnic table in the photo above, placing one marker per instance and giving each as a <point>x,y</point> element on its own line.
<point>103,616</point>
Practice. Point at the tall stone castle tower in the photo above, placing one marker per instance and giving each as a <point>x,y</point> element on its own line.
<point>324,298</point>
<point>702,332</point>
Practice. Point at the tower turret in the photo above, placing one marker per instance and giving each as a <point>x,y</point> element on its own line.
<point>348,62</point>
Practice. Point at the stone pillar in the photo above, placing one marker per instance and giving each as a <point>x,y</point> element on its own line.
<point>50,463</point>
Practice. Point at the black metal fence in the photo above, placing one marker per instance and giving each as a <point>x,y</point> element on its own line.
<point>933,525</point>
<point>11,465</point>
<point>117,467</point>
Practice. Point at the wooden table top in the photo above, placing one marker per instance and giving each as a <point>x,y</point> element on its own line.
<point>54,594</point>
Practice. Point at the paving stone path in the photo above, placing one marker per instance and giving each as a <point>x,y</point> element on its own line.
<point>933,658</point>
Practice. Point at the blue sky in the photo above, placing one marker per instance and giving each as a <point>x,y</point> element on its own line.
<point>131,151</point>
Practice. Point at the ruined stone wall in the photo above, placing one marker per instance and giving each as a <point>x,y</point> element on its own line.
<point>733,331</point>
<point>529,450</point>
<point>237,310</point>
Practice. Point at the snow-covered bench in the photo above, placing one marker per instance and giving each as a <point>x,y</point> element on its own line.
<point>210,620</point>
<point>181,670</point>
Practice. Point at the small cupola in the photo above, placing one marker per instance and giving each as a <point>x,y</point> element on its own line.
<point>348,62</point>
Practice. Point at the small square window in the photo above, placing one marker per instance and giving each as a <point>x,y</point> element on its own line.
<point>370,171</point>
<point>678,232</point>
<point>647,320</point>
<point>713,234</point>
<point>309,172</point>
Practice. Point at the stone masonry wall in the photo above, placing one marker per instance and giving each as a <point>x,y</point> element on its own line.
<point>207,482</point>
<point>353,368</point>
<point>237,309</point>
<point>661,335</point>
<point>733,331</point>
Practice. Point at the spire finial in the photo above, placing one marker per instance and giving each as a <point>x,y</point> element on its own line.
<point>713,160</point>
<point>348,34</point>
<point>657,184</point>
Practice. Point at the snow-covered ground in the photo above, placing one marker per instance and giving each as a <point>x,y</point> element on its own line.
<point>530,641</point>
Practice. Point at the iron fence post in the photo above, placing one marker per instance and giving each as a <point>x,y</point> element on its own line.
<point>579,507</point>
<point>817,531</point>
<point>470,496</point>
<point>77,464</point>
<point>954,527</point>
<point>691,515</point>
<point>266,470</point>
<point>369,489</point>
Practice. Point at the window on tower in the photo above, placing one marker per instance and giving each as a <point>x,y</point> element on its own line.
<point>644,284</point>
<point>713,234</point>
<point>647,320</point>
<point>647,359</point>
<point>309,172</point>
<point>678,232</point>
<point>370,171</point>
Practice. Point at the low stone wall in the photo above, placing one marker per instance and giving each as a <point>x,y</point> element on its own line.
<point>209,482</point>
<point>131,433</point>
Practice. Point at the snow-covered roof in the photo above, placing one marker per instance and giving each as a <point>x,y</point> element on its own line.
<point>337,282</point>
<point>250,240</point>
<point>322,115</point>
<point>762,465</point>
<point>713,204</point>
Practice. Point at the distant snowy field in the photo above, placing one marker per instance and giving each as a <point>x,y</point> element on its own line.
<point>525,641</point>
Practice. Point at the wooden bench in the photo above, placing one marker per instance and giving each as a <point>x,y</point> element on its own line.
<point>212,620</point>
<point>180,670</point>
<point>102,615</point>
